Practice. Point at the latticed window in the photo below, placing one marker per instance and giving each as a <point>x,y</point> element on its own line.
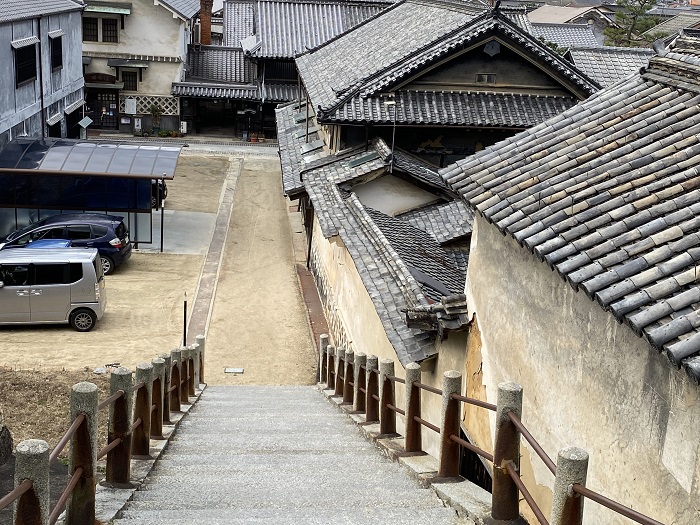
<point>130,79</point>
<point>25,64</point>
<point>90,29</point>
<point>57,52</point>
<point>110,31</point>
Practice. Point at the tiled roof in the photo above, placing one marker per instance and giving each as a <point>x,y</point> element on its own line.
<point>554,14</point>
<point>566,35</point>
<point>239,21</point>
<point>186,9</point>
<point>479,109</point>
<point>222,64</point>
<point>279,92</point>
<point>446,221</point>
<point>419,169</point>
<point>22,9</point>
<point>210,90</point>
<point>289,27</point>
<point>607,65</point>
<point>608,195</point>
<point>406,38</point>
<point>675,24</point>
<point>688,42</point>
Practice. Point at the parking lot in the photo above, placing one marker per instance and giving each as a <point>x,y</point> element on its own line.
<point>144,314</point>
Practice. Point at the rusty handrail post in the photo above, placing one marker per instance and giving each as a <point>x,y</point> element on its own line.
<point>191,358</point>
<point>176,367</point>
<point>118,473</point>
<point>505,496</point>
<point>387,418</point>
<point>348,377</point>
<point>322,359</point>
<point>201,341</point>
<point>371,399</point>
<point>330,366</point>
<point>140,440</point>
<point>412,435</point>
<point>83,454</point>
<point>157,396</point>
<point>32,463</point>
<point>184,376</point>
<point>167,376</point>
<point>339,369</point>
<point>567,505</point>
<point>360,382</point>
<point>449,450</point>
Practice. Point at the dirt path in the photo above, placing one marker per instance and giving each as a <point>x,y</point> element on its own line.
<point>259,321</point>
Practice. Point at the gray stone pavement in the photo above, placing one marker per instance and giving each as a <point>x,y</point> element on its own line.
<point>277,455</point>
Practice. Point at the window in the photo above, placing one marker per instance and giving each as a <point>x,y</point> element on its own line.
<point>130,80</point>
<point>100,29</point>
<point>50,273</point>
<point>14,275</point>
<point>78,232</point>
<point>110,33</point>
<point>56,53</point>
<point>25,64</point>
<point>484,78</point>
<point>90,29</point>
<point>76,271</point>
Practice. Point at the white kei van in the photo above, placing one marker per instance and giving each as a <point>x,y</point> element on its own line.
<point>52,285</point>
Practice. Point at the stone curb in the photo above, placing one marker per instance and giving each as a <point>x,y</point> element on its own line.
<point>110,501</point>
<point>466,498</point>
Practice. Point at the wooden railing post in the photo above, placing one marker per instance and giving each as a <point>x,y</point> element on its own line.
<point>505,496</point>
<point>32,463</point>
<point>567,505</point>
<point>387,418</point>
<point>412,436</point>
<point>176,368</point>
<point>348,377</point>
<point>118,472</point>
<point>372,405</point>
<point>184,381</point>
<point>201,341</point>
<point>339,368</point>
<point>330,367</point>
<point>449,450</point>
<point>360,381</point>
<point>157,395</point>
<point>83,455</point>
<point>168,371</point>
<point>140,440</point>
<point>322,359</point>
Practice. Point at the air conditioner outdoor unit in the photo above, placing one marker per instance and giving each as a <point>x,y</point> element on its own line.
<point>183,127</point>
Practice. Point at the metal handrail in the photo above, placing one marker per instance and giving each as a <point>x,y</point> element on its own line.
<point>61,503</point>
<point>614,505</point>
<point>472,401</point>
<point>471,447</point>
<point>526,494</point>
<point>108,448</point>
<point>16,493</point>
<point>136,424</point>
<point>533,442</point>
<point>428,388</point>
<point>396,409</point>
<point>111,399</point>
<point>426,424</point>
<point>66,438</point>
<point>396,379</point>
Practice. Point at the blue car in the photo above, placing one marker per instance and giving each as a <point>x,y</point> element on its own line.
<point>107,233</point>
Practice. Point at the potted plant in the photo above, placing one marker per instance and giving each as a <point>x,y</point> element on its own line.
<point>155,111</point>
<point>253,137</point>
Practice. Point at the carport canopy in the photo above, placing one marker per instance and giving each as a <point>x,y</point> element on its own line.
<point>79,157</point>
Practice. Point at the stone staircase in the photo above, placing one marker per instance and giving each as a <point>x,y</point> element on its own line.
<point>282,455</point>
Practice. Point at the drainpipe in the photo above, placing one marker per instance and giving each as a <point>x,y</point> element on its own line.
<point>41,82</point>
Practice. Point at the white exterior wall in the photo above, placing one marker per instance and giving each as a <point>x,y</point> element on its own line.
<point>588,382</point>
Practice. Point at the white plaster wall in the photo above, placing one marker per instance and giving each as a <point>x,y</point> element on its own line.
<point>588,381</point>
<point>157,78</point>
<point>354,321</point>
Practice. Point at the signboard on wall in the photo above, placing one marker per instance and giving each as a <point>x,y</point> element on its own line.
<point>130,106</point>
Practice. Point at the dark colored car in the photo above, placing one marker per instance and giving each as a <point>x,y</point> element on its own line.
<point>107,233</point>
<point>158,186</point>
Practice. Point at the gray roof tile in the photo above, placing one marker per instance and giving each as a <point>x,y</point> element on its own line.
<point>22,9</point>
<point>187,9</point>
<point>222,64</point>
<point>239,21</point>
<point>446,222</point>
<point>566,35</point>
<point>607,65</point>
<point>619,217</point>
